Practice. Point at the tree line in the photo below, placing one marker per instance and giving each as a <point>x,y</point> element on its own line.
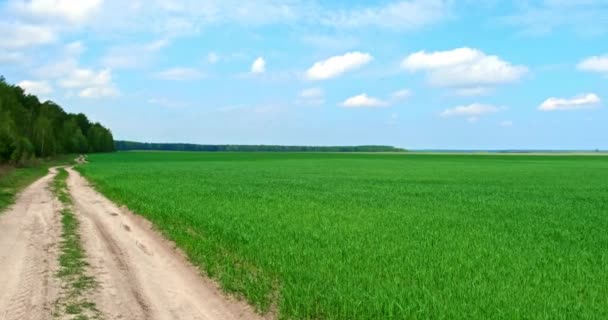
<point>32,129</point>
<point>131,146</point>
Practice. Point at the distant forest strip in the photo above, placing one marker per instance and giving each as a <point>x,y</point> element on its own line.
<point>134,146</point>
<point>30,129</point>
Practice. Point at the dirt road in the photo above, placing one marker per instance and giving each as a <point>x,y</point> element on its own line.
<point>29,233</point>
<point>140,274</point>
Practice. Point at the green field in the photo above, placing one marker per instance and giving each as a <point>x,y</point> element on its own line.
<point>382,236</point>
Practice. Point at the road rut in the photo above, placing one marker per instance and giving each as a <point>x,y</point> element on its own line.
<point>141,275</point>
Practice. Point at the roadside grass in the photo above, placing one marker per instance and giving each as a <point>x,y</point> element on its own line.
<point>13,180</point>
<point>72,261</point>
<point>367,236</point>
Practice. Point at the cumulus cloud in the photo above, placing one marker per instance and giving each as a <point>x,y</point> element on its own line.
<point>90,83</point>
<point>472,111</point>
<point>595,64</point>
<point>400,15</point>
<point>363,101</point>
<point>179,74</point>
<point>258,66</point>
<point>584,101</point>
<point>67,10</point>
<point>463,68</point>
<point>423,60</point>
<point>36,87</point>
<point>337,65</point>
<point>19,35</point>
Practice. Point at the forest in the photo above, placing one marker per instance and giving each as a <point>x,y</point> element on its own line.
<point>31,129</point>
<point>130,145</point>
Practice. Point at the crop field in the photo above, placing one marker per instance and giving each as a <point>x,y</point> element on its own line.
<point>381,236</point>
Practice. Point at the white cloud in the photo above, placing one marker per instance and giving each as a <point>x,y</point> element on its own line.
<point>584,101</point>
<point>258,66</point>
<point>68,10</point>
<point>213,58</point>
<point>363,101</point>
<point>401,94</point>
<point>36,87</point>
<point>400,15</point>
<point>595,64</point>
<point>90,83</point>
<point>463,68</point>
<point>180,74</point>
<point>422,60</point>
<point>472,111</point>
<point>18,35</point>
<point>79,78</point>
<point>172,18</point>
<point>337,65</point>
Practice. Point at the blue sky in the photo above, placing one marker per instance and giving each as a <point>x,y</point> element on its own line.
<point>416,74</point>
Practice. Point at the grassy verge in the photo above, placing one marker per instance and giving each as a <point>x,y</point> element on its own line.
<point>13,180</point>
<point>72,264</point>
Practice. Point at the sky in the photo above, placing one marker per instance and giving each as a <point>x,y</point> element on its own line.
<point>417,74</point>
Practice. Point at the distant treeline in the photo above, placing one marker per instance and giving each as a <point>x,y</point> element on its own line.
<point>30,129</point>
<point>130,145</point>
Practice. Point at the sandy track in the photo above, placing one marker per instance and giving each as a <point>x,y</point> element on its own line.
<point>141,275</point>
<point>29,234</point>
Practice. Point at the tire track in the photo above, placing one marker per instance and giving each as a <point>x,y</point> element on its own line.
<point>141,275</point>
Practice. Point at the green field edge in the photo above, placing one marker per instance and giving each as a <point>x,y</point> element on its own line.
<point>265,307</point>
<point>72,273</point>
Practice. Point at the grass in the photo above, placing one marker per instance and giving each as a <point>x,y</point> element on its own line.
<point>13,180</point>
<point>72,261</point>
<point>366,236</point>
